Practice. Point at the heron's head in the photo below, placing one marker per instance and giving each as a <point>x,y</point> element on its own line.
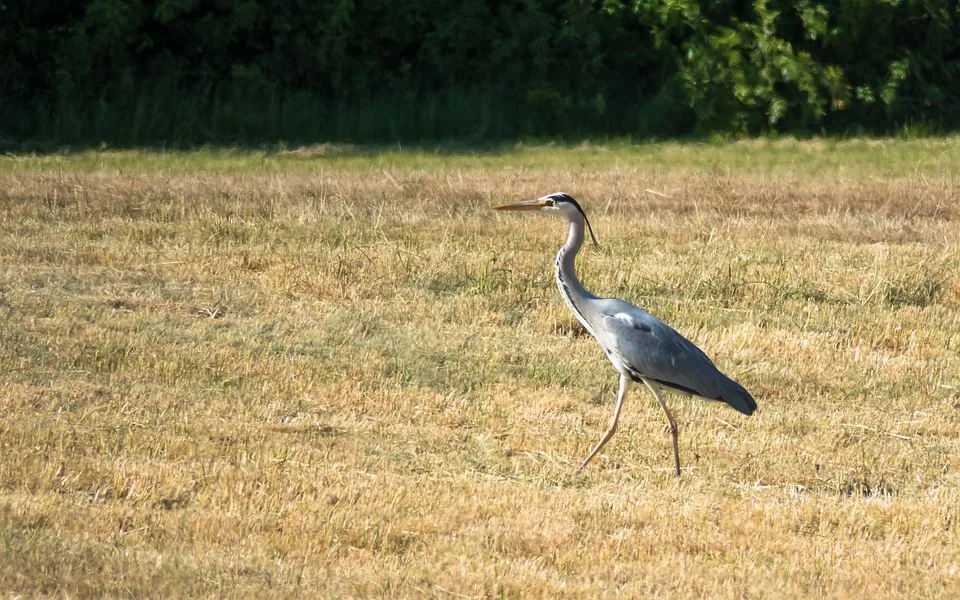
<point>558,202</point>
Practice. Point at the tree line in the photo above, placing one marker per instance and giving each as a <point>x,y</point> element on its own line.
<point>240,71</point>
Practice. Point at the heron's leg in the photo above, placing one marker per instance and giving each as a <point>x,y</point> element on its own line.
<point>624,385</point>
<point>673,424</point>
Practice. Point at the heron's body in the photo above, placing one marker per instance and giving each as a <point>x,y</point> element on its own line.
<point>641,347</point>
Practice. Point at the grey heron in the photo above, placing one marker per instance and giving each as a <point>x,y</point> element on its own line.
<point>643,348</point>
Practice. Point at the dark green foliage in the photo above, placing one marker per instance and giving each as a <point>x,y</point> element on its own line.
<point>236,71</point>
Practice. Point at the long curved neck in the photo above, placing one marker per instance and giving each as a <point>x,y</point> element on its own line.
<point>573,292</point>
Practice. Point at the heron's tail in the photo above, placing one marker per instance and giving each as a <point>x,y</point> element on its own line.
<point>738,397</point>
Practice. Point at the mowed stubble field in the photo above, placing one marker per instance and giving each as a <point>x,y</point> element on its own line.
<point>339,373</point>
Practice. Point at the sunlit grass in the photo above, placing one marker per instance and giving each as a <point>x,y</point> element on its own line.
<point>336,372</point>
<point>855,158</point>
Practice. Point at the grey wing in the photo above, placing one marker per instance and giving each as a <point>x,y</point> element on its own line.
<point>651,349</point>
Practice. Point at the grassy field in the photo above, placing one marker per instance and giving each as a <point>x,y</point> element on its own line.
<point>335,372</point>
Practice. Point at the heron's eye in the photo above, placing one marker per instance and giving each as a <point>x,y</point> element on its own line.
<point>551,202</point>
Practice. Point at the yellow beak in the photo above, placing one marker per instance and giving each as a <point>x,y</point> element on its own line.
<point>525,205</point>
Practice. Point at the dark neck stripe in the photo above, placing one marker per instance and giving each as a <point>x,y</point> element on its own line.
<point>566,290</point>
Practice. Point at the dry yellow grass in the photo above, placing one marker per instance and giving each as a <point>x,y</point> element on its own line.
<point>362,383</point>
